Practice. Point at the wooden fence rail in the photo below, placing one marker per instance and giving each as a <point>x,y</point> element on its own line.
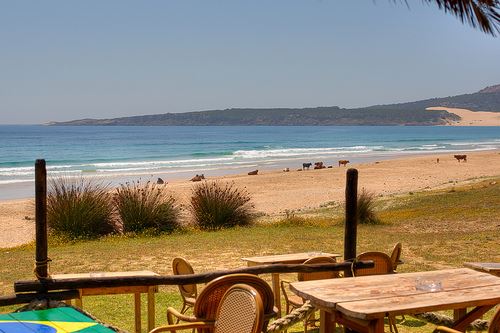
<point>93,282</point>
<point>28,297</point>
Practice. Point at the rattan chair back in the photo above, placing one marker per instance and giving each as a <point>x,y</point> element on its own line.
<point>181,266</point>
<point>209,298</point>
<point>383,264</point>
<point>318,275</point>
<point>240,310</point>
<point>396,255</point>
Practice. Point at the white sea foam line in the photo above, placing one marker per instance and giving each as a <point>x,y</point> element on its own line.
<point>118,164</point>
<point>15,181</point>
<point>318,153</point>
<point>473,143</point>
<point>324,154</point>
<point>266,153</point>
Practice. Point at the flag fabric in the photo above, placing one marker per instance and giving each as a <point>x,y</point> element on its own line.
<point>56,320</point>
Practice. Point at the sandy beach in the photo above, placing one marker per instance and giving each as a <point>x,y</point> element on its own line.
<point>275,191</point>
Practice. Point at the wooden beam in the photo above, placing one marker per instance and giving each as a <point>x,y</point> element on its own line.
<point>93,282</point>
<point>26,298</point>
<point>41,255</point>
<point>351,215</point>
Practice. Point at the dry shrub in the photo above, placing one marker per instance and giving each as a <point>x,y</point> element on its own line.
<point>215,206</point>
<point>147,206</point>
<point>366,207</point>
<point>79,208</point>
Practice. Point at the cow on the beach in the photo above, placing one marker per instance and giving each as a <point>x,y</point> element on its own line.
<point>343,162</point>
<point>319,165</point>
<point>460,157</point>
<point>198,178</point>
<point>306,166</point>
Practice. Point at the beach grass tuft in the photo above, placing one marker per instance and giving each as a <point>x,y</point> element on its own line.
<point>79,208</point>
<point>145,207</point>
<point>366,207</point>
<point>215,205</point>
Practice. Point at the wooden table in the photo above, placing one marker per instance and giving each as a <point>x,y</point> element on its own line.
<point>291,258</point>
<point>136,290</point>
<point>361,303</point>
<point>487,267</point>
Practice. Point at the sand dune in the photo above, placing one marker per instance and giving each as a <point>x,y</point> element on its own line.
<point>472,118</point>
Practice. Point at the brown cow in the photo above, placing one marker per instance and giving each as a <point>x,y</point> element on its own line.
<point>343,162</point>
<point>319,165</point>
<point>253,173</point>
<point>460,157</point>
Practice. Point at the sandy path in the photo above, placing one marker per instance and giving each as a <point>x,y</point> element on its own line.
<point>276,191</point>
<point>472,118</point>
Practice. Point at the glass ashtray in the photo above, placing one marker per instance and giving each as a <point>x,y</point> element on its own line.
<point>428,285</point>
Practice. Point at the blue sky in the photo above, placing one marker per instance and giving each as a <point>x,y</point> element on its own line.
<point>62,60</point>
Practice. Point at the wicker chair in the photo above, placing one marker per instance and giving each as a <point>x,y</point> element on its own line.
<point>207,302</point>
<point>494,326</point>
<point>240,310</point>
<point>188,292</point>
<point>396,256</point>
<point>293,301</point>
<point>383,265</point>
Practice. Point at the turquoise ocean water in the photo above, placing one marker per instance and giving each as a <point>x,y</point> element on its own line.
<point>127,153</point>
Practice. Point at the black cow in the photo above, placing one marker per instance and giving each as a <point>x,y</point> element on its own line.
<point>306,166</point>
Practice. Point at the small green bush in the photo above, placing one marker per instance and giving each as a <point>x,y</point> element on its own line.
<point>215,206</point>
<point>79,208</point>
<point>366,207</point>
<point>147,206</point>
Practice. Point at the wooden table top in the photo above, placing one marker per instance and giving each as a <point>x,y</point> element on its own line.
<point>102,274</point>
<point>488,267</point>
<point>370,297</point>
<point>291,258</point>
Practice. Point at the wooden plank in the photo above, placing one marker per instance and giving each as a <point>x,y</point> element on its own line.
<point>327,293</point>
<point>461,323</point>
<point>289,258</point>
<point>275,278</point>
<point>103,274</point>
<point>488,267</point>
<point>151,308</point>
<point>137,311</point>
<point>435,301</point>
<point>26,298</point>
<point>97,282</point>
<point>115,290</point>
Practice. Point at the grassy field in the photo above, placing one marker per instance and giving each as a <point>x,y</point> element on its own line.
<point>438,229</point>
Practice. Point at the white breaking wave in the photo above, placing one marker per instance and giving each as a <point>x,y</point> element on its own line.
<point>239,159</point>
<point>290,152</point>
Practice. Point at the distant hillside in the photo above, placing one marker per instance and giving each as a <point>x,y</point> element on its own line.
<point>487,99</point>
<point>412,113</point>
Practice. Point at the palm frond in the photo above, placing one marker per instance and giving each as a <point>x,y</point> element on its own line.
<point>482,14</point>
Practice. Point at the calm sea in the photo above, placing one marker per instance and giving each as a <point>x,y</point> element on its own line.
<point>126,153</point>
